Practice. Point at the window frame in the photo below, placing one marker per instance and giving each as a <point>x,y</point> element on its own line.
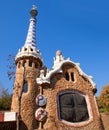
<point>75,124</point>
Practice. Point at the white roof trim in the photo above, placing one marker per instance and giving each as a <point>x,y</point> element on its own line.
<point>58,68</point>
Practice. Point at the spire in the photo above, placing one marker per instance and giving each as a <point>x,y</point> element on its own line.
<point>31,36</point>
<point>29,48</point>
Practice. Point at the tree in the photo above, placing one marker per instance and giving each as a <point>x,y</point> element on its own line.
<point>5,99</point>
<point>103,99</point>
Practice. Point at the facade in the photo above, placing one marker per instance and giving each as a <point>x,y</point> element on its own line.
<point>59,99</point>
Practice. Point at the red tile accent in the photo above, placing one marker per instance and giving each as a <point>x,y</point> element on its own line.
<point>1,117</point>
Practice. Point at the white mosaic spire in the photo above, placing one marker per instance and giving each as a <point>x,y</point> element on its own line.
<point>31,36</point>
<point>29,48</point>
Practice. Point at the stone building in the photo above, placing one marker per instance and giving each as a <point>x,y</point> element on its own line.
<point>58,99</point>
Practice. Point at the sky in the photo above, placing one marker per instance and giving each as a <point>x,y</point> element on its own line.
<point>79,28</point>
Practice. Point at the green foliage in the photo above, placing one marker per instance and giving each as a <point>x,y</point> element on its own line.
<point>5,99</point>
<point>103,99</point>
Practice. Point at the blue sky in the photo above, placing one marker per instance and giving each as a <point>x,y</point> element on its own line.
<point>79,28</point>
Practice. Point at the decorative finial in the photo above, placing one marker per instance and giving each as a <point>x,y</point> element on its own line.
<point>58,53</point>
<point>34,11</point>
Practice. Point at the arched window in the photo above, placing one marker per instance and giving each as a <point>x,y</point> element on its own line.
<point>30,63</point>
<point>19,64</point>
<point>25,49</point>
<point>24,64</point>
<point>67,76</point>
<point>36,65</point>
<point>31,49</point>
<point>72,76</point>
<point>25,87</point>
<point>72,107</point>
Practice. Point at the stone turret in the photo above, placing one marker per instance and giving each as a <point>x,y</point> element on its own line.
<point>28,63</point>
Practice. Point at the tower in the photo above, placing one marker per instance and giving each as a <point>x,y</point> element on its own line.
<point>28,63</point>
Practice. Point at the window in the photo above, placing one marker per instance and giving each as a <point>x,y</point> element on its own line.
<point>25,49</point>
<point>19,64</point>
<point>31,49</point>
<point>67,76</point>
<point>72,76</point>
<point>25,87</point>
<point>30,63</point>
<point>73,107</point>
<point>35,65</point>
<point>24,64</point>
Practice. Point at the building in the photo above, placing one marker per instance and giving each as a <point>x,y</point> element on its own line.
<point>59,99</point>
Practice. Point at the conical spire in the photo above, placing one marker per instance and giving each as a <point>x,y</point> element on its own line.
<point>31,36</point>
<point>29,48</point>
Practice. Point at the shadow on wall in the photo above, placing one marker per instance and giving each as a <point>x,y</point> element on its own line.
<point>22,126</point>
<point>12,126</point>
<point>8,125</point>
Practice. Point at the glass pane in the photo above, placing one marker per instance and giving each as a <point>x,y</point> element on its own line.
<point>30,63</point>
<point>25,87</point>
<point>67,76</point>
<point>73,107</point>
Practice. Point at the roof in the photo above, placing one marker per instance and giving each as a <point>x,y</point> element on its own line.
<point>59,61</point>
